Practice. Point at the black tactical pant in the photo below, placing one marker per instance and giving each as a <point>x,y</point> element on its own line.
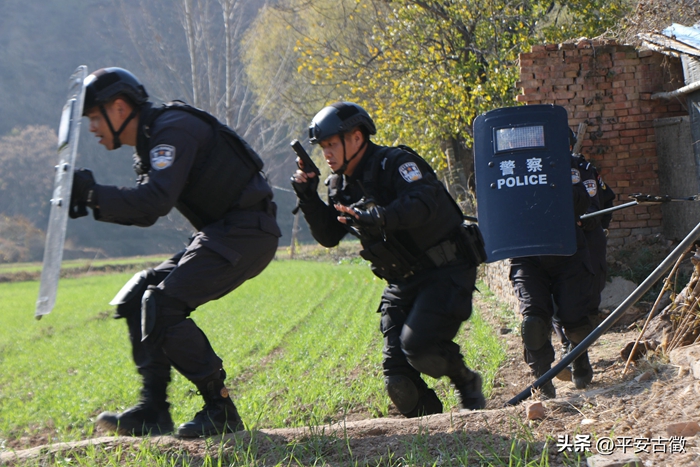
<point>543,282</point>
<point>419,319</point>
<point>597,244</point>
<point>193,277</point>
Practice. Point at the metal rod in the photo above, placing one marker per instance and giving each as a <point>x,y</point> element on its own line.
<point>614,316</point>
<point>614,208</point>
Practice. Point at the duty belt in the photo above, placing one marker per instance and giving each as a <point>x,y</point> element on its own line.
<point>442,254</point>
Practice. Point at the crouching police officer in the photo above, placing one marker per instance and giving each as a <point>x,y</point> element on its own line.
<point>185,159</point>
<point>412,232</point>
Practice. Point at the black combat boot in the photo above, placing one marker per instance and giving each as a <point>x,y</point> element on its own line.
<point>151,416</point>
<point>218,416</point>
<point>583,372</point>
<point>566,373</point>
<point>467,386</point>
<point>547,390</point>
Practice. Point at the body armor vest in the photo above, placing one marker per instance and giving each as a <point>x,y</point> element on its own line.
<point>398,254</point>
<point>220,172</point>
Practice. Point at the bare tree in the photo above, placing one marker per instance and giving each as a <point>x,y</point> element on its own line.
<point>210,74</point>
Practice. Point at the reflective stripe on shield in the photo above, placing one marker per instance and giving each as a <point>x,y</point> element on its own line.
<point>523,182</point>
<point>68,135</point>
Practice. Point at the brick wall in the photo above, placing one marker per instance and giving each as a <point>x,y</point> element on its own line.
<point>609,86</point>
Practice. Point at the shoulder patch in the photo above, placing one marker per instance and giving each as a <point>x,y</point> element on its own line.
<point>575,176</point>
<point>162,156</point>
<point>591,187</point>
<point>410,172</point>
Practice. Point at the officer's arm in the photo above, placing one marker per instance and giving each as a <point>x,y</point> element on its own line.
<point>581,199</point>
<point>172,154</point>
<point>323,221</point>
<point>418,193</point>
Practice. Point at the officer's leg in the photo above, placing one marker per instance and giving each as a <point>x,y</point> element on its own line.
<point>443,302</point>
<point>565,374</point>
<point>204,273</point>
<point>403,383</point>
<point>576,292</point>
<point>151,414</point>
<point>532,287</point>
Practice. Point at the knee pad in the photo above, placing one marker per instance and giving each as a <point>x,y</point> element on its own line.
<point>431,364</point>
<point>402,391</point>
<point>535,331</point>
<point>128,299</point>
<point>158,311</point>
<point>579,332</point>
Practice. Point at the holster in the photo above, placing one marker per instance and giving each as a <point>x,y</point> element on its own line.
<point>388,261</point>
<point>470,243</point>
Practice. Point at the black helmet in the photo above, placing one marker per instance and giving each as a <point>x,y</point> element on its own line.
<point>105,84</point>
<point>337,119</point>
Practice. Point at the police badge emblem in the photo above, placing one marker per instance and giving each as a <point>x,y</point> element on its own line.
<point>410,172</point>
<point>575,176</point>
<point>162,156</point>
<point>591,187</point>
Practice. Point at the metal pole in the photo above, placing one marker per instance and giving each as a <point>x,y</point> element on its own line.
<point>605,211</point>
<point>614,316</point>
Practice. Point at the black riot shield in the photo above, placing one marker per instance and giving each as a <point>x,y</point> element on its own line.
<point>522,165</point>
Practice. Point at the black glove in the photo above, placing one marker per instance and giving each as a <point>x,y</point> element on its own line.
<point>82,193</point>
<point>307,190</point>
<point>372,217</point>
<point>590,223</point>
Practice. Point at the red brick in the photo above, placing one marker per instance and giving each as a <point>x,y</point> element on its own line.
<point>632,133</point>
<point>633,224</point>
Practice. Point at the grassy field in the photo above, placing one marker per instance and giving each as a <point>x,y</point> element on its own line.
<point>300,344</point>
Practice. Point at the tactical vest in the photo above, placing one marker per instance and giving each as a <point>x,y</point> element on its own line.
<point>220,172</point>
<point>399,254</point>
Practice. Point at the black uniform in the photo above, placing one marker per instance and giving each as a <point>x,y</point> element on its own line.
<point>602,197</point>
<point>542,283</point>
<point>421,254</point>
<point>232,244</point>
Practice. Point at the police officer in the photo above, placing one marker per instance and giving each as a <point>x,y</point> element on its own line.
<point>594,228</point>
<point>412,232</point>
<point>188,160</point>
<point>543,283</point>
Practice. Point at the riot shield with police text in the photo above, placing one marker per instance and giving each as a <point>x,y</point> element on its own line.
<point>68,135</point>
<point>522,165</point>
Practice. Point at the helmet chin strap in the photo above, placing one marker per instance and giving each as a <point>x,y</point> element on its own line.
<point>116,142</point>
<point>346,161</point>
